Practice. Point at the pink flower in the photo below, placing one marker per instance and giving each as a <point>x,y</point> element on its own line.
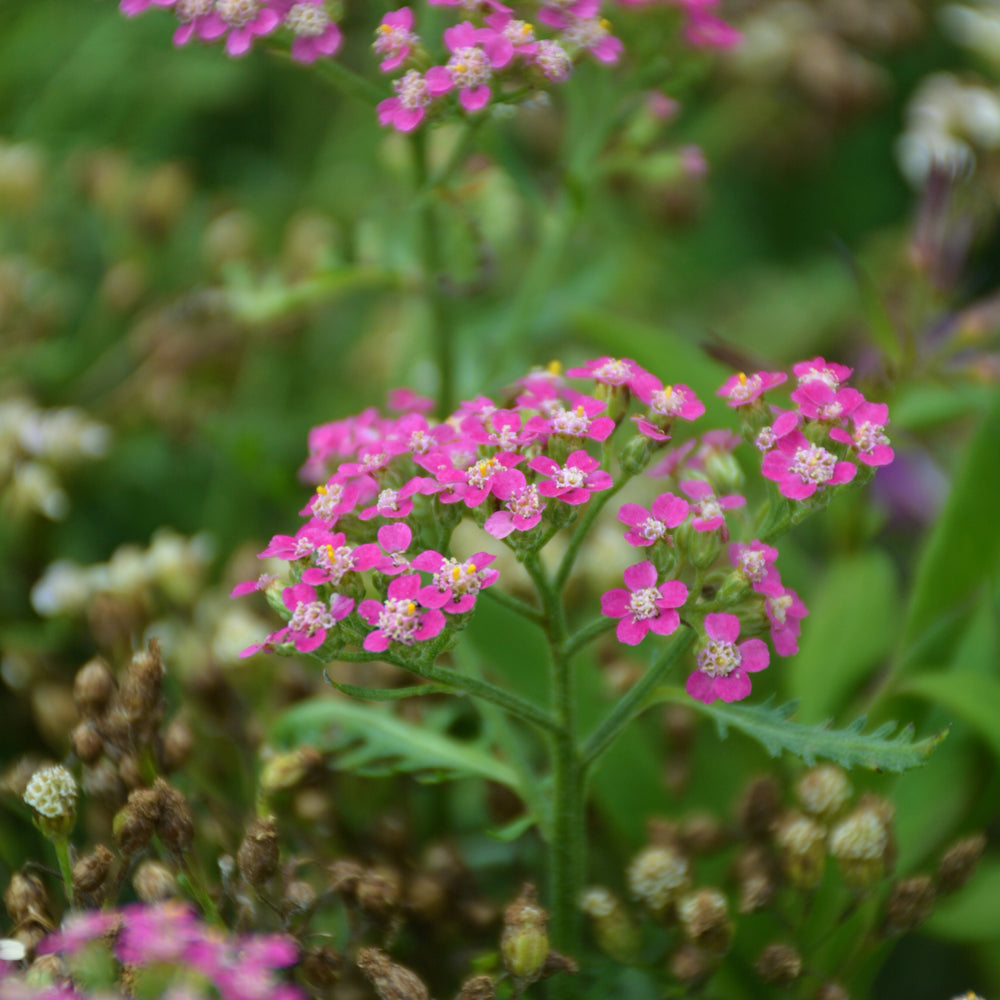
<point>521,34</point>
<point>414,93</point>
<point>574,482</point>
<point>868,440</point>
<point>784,423</point>
<point>579,422</point>
<point>399,503</point>
<point>336,559</point>
<point>523,505</point>
<point>722,665</point>
<point>785,612</point>
<point>154,934</point>
<point>315,33</point>
<point>591,34</point>
<point>476,52</point>
<point>407,401</point>
<point>553,61</point>
<point>741,389</point>
<point>394,39</point>
<point>472,485</point>
<point>78,929</point>
<point>132,7</point>
<point>651,526</point>
<point>708,508</point>
<point>262,582</point>
<point>828,372</point>
<point>395,540</point>
<point>665,404</point>
<point>399,618</point>
<point>817,401</point>
<point>558,13</point>
<point>800,468</point>
<point>706,31</point>
<point>499,429</point>
<point>197,19</point>
<point>419,437</point>
<point>330,501</point>
<point>755,562</point>
<point>456,583</point>
<point>644,607</point>
<point>301,545</point>
<point>611,371</point>
<point>312,618</point>
<point>240,20</point>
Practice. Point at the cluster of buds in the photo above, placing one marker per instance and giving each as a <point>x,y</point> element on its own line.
<point>372,565</point>
<point>500,50</point>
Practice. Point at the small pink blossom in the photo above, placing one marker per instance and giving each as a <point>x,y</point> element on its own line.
<point>399,503</point>
<point>456,583</point>
<point>828,372</point>
<point>706,31</point>
<point>399,618</point>
<point>553,61</point>
<point>868,439</point>
<point>472,485</point>
<point>476,53</point>
<point>611,371</point>
<point>581,421</point>
<point>575,481</point>
<point>500,429</point>
<point>394,39</point>
<point>723,666</point>
<point>800,468</point>
<point>708,509</point>
<point>755,562</point>
<point>415,92</point>
<point>334,560</point>
<point>650,526</point>
<point>591,34</point>
<point>132,7</point>
<point>785,421</point>
<point>263,582</point>
<point>241,21</point>
<point>315,33</point>
<point>665,403</point>
<point>394,540</point>
<point>785,612</point>
<point>738,390</point>
<point>817,401</point>
<point>644,607</point>
<point>407,401</point>
<point>523,505</point>
<point>521,34</point>
<point>331,500</point>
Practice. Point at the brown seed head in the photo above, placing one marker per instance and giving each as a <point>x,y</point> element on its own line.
<point>702,833</point>
<point>831,991</point>
<point>688,964</point>
<point>959,862</point>
<point>823,791</point>
<point>26,898</point>
<point>154,882</point>
<point>779,965</point>
<point>257,857</point>
<point>859,843</point>
<point>91,871</point>
<point>93,687</point>
<point>801,843</point>
<point>86,742</point>
<point>657,876</point>
<point>178,739</point>
<point>321,966</point>
<point>287,770</point>
<point>345,876</point>
<point>760,807</point>
<point>757,877</point>
<point>478,988</point>
<point>389,980</point>
<point>299,897</point>
<point>176,823</point>
<point>143,685</point>
<point>136,822</point>
<point>377,893</point>
<point>704,915</point>
<point>911,902</point>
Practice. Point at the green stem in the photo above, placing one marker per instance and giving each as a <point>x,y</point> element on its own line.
<point>347,81</point>
<point>632,702</point>
<point>514,604</point>
<point>596,628</point>
<point>61,845</point>
<point>442,319</point>
<point>189,877</point>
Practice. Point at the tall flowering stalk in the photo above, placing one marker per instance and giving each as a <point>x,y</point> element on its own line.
<point>376,571</point>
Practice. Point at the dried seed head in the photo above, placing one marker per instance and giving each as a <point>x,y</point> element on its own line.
<point>614,930</point>
<point>478,988</point>
<point>556,962</point>
<point>86,742</point>
<point>704,915</point>
<point>143,685</point>
<point>129,772</point>
<point>389,980</point>
<point>911,902</point>
<point>688,964</point>
<point>257,857</point>
<point>177,743</point>
<point>427,896</point>
<point>287,770</point>
<point>832,991</point>
<point>93,687</point>
<point>101,781</point>
<point>321,966</point>
<point>657,876</point>
<point>299,897</point>
<point>757,878</point>
<point>135,823</point>
<point>702,833</point>
<point>51,793</point>
<point>859,844</point>
<point>345,876</point>
<point>779,965</point>
<point>26,899</point>
<point>91,871</point>
<point>154,882</point>
<point>377,894</point>
<point>524,943</point>
<point>958,863</point>
<point>801,844</point>
<point>824,791</point>
<point>176,823</point>
<point>760,807</point>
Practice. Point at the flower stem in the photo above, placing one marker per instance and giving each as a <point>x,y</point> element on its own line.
<point>596,628</point>
<point>442,318</point>
<point>61,845</point>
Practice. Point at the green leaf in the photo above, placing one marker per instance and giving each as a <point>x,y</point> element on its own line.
<point>851,628</point>
<point>972,913</point>
<point>880,323</point>
<point>973,697</point>
<point>386,694</point>
<point>371,740</point>
<point>965,545</point>
<point>772,727</point>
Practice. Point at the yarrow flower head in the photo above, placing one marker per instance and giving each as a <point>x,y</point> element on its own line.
<point>315,32</point>
<point>723,665</point>
<point>52,793</point>
<point>456,583</point>
<point>800,468</point>
<point>741,389</point>
<point>400,618</point>
<point>394,39</point>
<point>645,606</point>
<point>646,527</point>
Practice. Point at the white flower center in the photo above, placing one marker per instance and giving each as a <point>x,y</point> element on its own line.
<point>398,619</point>
<point>459,577</point>
<point>868,436</point>
<point>587,32</point>
<point>188,10</point>
<point>574,423</point>
<point>813,464</point>
<point>754,566</point>
<point>469,67</point>
<point>390,40</point>
<point>479,475</point>
<point>237,13</point>
<point>525,503</point>
<point>308,617</point>
<point>553,60</point>
<point>326,502</point>
<point>668,401</point>
<point>642,603</point>
<point>719,659</point>
<point>308,20</point>
<point>653,529</point>
<point>337,562</point>
<point>388,502</point>
<point>614,372</point>
<point>570,478</point>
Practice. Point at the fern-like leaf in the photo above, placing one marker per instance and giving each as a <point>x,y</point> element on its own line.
<point>772,726</point>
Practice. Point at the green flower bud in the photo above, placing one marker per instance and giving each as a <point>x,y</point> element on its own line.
<point>524,944</point>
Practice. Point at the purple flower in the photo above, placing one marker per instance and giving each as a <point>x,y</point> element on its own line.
<point>708,508</point>
<point>650,526</point>
<point>574,482</point>
<point>456,583</point>
<point>785,612</point>
<point>394,39</point>
<point>800,468</point>
<point>741,389</point>
<point>868,440</point>
<point>644,607</point>
<point>476,52</point>
<point>523,505</point>
<point>755,562</point>
<point>722,665</point>
<point>399,618</point>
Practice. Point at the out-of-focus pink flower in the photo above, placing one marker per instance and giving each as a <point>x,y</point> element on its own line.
<point>868,440</point>
<point>817,401</point>
<point>476,53</point>
<point>315,33</point>
<point>132,7</point>
<point>828,372</point>
<point>723,666</point>
<point>644,607</point>
<point>740,389</point>
<point>415,92</point>
<point>800,468</point>
<point>650,526</point>
<point>708,509</point>
<point>785,612</point>
<point>394,39</point>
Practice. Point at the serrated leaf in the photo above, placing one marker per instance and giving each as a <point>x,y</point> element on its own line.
<point>973,697</point>
<point>772,727</point>
<point>371,740</point>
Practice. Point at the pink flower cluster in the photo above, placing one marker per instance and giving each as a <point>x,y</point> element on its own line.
<point>364,571</point>
<point>200,960</point>
<point>495,49</point>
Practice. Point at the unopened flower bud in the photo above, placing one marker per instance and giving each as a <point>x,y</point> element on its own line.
<point>823,791</point>
<point>760,807</point>
<point>389,980</point>
<point>958,863</point>
<point>26,899</point>
<point>177,742</point>
<point>859,844</point>
<point>801,844</point>
<point>779,965</point>
<point>320,966</point>
<point>911,902</point>
<point>704,915</point>
<point>47,971</point>
<point>299,897</point>
<point>478,988</point>
<point>135,824</point>
<point>176,823</point>
<point>757,878</point>
<point>614,929</point>
<point>286,770</point>
<point>257,857</point>
<point>657,876</point>
<point>831,991</point>
<point>702,834</point>
<point>634,457</point>
<point>524,943</point>
<point>689,964</point>
<point>143,685</point>
<point>86,742</point>
<point>154,882</point>
<point>91,871</point>
<point>92,688</point>
<point>702,548</point>
<point>377,894</point>
<point>51,793</point>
